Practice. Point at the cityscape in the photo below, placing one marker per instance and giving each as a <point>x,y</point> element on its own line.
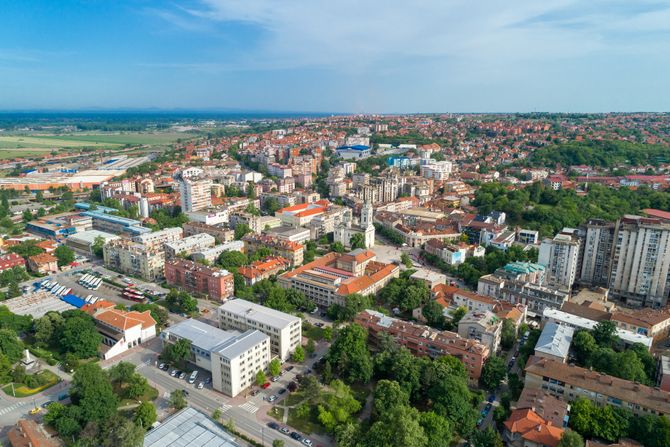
<point>221,245</point>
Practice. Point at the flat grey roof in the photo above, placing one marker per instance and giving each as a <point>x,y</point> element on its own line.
<point>256,312</point>
<point>201,335</point>
<point>189,428</point>
<point>233,347</point>
<point>555,339</point>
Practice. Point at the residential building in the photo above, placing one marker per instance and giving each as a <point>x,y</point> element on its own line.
<point>525,428</point>
<point>290,234</point>
<point>429,277</point>
<point>11,260</point>
<point>212,254</point>
<point>640,270</point>
<point>302,214</point>
<point>263,269</point>
<point>554,341</point>
<point>188,245</point>
<point>423,340</point>
<point>332,277</point>
<point>216,283</point>
<point>156,239</point>
<point>29,433</point>
<point>195,190</point>
<point>664,373</point>
<point>545,405</point>
<point>530,237</point>
<point>120,330</point>
<point>292,251</point>
<point>44,264</point>
<point>482,326</point>
<point>536,298</point>
<point>597,253</point>
<point>232,357</point>
<point>560,256</point>
<point>134,259</point>
<point>221,234</point>
<point>437,170</point>
<point>284,330</point>
<point>83,242</point>
<point>189,427</point>
<point>569,382</point>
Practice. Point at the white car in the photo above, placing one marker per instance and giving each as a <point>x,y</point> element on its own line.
<point>307,442</point>
<point>272,398</point>
<point>201,385</point>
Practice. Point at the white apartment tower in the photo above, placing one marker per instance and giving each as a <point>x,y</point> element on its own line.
<point>560,256</point>
<point>640,271</point>
<point>195,190</point>
<point>597,253</point>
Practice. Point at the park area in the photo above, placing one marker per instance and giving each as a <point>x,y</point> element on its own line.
<point>32,384</point>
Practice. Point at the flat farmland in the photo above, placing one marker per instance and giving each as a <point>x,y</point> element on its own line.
<point>18,153</point>
<point>108,140</point>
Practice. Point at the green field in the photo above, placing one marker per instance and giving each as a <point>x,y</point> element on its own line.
<point>16,153</point>
<point>110,140</point>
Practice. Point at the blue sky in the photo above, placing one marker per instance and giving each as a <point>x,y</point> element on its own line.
<point>361,56</point>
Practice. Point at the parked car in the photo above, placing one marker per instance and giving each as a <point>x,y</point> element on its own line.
<point>273,425</point>
<point>272,398</point>
<point>289,368</point>
<point>182,375</point>
<point>275,378</point>
<point>185,392</point>
<point>491,398</point>
<point>284,430</point>
<point>295,435</point>
<point>266,385</point>
<point>47,403</point>
<point>307,442</point>
<point>175,372</point>
<point>161,366</point>
<point>282,391</point>
<point>201,385</point>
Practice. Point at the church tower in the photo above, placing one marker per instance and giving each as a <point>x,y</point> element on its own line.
<point>366,215</point>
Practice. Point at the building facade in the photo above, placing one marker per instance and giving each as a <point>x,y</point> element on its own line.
<point>134,259</point>
<point>216,283</point>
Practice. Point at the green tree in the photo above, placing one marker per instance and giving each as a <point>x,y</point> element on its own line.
<point>274,367</point>
<point>338,406</point>
<point>80,336</point>
<point>349,355</point>
<point>216,414</point>
<point>121,431</point>
<point>177,399</point>
<point>486,438</point>
<point>278,443</point>
<point>337,247</point>
<point>70,362</point>
<point>571,439</point>
<point>605,333</point>
<point>97,246</point>
<point>493,373</point>
<point>298,355</point>
<point>241,230</point>
<point>389,394</point>
<point>311,347</point>
<point>64,254</point>
<point>357,240</point>
<point>92,392</point>
<point>122,372</point>
<point>137,386</point>
<point>437,429</point>
<point>508,334</point>
<point>433,313</point>
<point>260,378</point>
<point>231,260</point>
<point>397,426</point>
<point>406,260</point>
<point>10,345</point>
<point>145,415</point>
<point>13,291</point>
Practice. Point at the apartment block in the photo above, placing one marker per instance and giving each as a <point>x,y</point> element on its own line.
<point>332,277</point>
<point>568,382</point>
<point>560,256</point>
<point>292,251</point>
<point>195,192</point>
<point>188,245</point>
<point>158,238</point>
<point>284,330</point>
<point>597,252</point>
<point>212,254</point>
<point>216,283</point>
<point>134,259</point>
<point>221,234</point>
<point>423,340</point>
<point>263,269</point>
<point>482,326</point>
<point>233,357</point>
<point>640,271</point>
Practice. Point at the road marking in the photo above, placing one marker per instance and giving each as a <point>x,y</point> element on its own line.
<point>225,407</point>
<point>166,395</point>
<point>13,407</point>
<point>251,408</point>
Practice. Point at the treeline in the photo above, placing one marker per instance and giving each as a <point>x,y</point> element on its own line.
<point>605,154</point>
<point>538,207</point>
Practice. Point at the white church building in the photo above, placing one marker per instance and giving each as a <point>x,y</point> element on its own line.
<point>347,228</point>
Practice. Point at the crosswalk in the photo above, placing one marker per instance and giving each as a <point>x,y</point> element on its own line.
<point>225,407</point>
<point>9,409</point>
<point>251,408</point>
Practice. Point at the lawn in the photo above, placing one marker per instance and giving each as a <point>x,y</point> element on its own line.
<point>19,153</point>
<point>313,332</point>
<point>308,425</point>
<point>47,142</point>
<point>149,396</point>
<point>22,390</point>
<point>110,140</point>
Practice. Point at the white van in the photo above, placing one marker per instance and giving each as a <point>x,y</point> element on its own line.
<point>193,376</point>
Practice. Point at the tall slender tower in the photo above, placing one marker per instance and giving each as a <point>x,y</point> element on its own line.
<point>366,215</point>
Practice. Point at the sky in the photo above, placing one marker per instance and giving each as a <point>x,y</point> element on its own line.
<point>345,56</point>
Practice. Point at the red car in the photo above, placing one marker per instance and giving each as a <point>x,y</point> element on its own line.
<point>265,385</point>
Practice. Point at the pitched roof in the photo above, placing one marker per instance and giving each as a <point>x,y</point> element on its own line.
<point>125,320</point>
<point>533,427</point>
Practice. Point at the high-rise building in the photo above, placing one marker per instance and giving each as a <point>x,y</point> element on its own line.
<point>195,190</point>
<point>597,252</point>
<point>560,256</point>
<point>640,271</point>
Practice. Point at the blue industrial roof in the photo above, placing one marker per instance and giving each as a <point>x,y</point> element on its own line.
<point>87,206</point>
<point>74,300</point>
<point>110,218</point>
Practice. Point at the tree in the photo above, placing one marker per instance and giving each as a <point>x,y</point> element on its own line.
<point>10,345</point>
<point>177,399</point>
<point>13,290</point>
<point>241,230</point>
<point>605,333</point>
<point>178,352</point>
<point>64,254</point>
<point>397,426</point>
<point>406,260</point>
<point>137,386</point>
<point>584,346</point>
<point>311,347</point>
<point>231,260</point>
<point>571,439</point>
<point>145,415</point>
<point>70,362</point>
<point>508,334</point>
<point>433,313</point>
<point>357,240</point>
<point>337,247</point>
<point>122,372</point>
<point>388,395</point>
<point>486,438</point>
<point>278,443</point>
<point>349,355</point>
<point>337,407</point>
<point>92,392</point>
<point>80,336</point>
<point>260,378</point>
<point>97,246</point>
<point>216,414</point>
<point>437,429</point>
<point>121,431</point>
<point>274,367</point>
<point>493,373</point>
<point>298,355</point>
<point>457,314</point>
